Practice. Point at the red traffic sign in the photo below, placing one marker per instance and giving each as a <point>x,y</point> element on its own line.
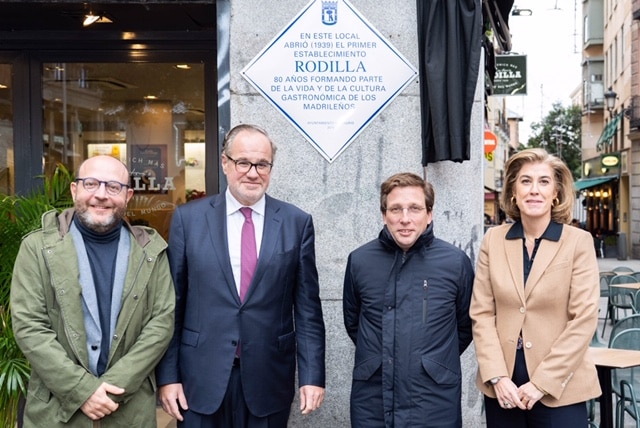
<point>490,141</point>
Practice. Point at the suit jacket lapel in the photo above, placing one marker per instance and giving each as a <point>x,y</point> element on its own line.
<point>547,251</point>
<point>216,219</point>
<point>270,234</point>
<point>513,248</point>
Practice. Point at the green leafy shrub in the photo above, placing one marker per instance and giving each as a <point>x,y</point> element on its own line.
<point>20,215</point>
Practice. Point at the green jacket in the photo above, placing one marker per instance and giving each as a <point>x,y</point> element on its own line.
<point>49,328</point>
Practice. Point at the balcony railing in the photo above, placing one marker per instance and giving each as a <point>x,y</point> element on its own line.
<point>633,112</point>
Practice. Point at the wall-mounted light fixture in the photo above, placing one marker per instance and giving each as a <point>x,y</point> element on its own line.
<point>521,12</point>
<point>90,19</point>
<point>610,97</point>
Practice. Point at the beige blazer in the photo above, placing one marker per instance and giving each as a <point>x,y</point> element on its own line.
<point>557,313</point>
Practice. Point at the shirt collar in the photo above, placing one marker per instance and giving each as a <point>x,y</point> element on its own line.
<point>551,233</point>
<point>233,205</point>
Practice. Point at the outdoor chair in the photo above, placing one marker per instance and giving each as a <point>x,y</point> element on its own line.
<point>627,323</point>
<point>622,269</point>
<point>591,413</point>
<point>635,301</point>
<point>619,297</point>
<point>596,342</point>
<point>605,277</point>
<point>626,382</point>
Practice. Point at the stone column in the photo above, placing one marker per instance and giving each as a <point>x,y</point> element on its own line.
<point>343,196</point>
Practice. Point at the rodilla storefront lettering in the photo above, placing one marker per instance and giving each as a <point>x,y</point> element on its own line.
<point>329,66</point>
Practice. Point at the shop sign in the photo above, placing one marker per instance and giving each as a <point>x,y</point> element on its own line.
<point>610,160</point>
<point>511,75</point>
<point>330,73</point>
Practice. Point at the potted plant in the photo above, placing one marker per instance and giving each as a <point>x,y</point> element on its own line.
<point>20,215</point>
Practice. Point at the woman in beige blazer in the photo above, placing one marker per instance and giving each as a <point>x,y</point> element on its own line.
<point>535,302</point>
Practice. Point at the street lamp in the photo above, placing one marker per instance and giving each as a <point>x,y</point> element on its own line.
<point>610,99</point>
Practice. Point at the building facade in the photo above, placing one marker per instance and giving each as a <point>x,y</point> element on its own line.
<point>610,184</point>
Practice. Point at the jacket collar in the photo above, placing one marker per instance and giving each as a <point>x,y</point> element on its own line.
<point>423,240</point>
<point>65,218</point>
<point>551,233</point>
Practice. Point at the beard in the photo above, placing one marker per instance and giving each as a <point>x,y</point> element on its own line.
<point>102,225</point>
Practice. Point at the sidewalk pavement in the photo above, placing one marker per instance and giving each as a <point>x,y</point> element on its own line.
<point>164,420</point>
<point>610,263</point>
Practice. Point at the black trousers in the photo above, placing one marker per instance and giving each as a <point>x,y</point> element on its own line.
<point>233,412</point>
<point>540,416</point>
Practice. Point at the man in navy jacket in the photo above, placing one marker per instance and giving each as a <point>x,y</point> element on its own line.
<point>232,361</point>
<point>406,308</point>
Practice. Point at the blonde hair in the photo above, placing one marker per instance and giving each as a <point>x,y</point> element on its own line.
<point>562,209</point>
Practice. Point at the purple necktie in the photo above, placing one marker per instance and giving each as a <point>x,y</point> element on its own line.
<point>248,256</point>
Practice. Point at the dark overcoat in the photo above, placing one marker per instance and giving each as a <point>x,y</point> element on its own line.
<point>408,315</point>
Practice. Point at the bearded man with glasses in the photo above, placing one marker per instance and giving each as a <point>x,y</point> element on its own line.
<point>406,308</point>
<point>93,304</point>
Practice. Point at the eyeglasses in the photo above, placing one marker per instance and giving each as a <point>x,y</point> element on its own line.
<point>92,185</point>
<point>398,211</point>
<point>244,166</point>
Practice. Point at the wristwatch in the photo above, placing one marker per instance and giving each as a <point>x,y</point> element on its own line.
<point>495,380</point>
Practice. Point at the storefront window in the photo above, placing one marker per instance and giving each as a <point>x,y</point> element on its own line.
<point>148,115</point>
<point>600,204</point>
<point>7,168</point>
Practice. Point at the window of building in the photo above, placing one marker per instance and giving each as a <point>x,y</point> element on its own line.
<point>151,116</point>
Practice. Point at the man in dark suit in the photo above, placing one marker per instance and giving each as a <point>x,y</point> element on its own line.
<point>232,359</point>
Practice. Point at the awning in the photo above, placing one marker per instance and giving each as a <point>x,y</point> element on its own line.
<point>608,132</point>
<point>585,183</point>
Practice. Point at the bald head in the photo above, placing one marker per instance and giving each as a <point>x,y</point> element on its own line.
<point>98,208</point>
<point>106,164</point>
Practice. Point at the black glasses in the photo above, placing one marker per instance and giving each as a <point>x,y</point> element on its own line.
<point>92,185</point>
<point>244,166</point>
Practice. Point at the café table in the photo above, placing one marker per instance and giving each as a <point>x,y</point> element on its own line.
<point>630,285</point>
<point>605,360</point>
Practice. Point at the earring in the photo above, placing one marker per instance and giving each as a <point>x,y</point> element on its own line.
<point>513,200</point>
<point>556,202</point>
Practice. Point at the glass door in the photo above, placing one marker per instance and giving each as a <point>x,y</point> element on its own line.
<point>151,116</point>
<point>7,166</point>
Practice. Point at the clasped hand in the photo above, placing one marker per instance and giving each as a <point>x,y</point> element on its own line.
<point>99,404</point>
<point>510,396</point>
